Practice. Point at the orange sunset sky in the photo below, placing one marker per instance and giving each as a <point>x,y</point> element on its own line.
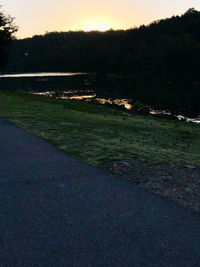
<point>37,17</point>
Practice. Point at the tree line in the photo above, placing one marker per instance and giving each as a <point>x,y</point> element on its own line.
<point>169,47</point>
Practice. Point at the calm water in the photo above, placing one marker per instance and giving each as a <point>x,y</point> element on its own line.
<point>41,74</point>
<point>121,89</point>
<point>67,85</point>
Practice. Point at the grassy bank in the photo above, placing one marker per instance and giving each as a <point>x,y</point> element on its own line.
<point>98,134</point>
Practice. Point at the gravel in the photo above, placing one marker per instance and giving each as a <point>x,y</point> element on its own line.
<point>178,182</point>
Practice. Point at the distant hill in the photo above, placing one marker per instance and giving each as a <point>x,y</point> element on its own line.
<point>165,47</point>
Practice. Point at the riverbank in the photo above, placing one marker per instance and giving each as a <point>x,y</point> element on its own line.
<point>102,136</point>
<point>98,134</point>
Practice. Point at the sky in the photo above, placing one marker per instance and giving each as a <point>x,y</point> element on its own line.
<point>40,16</point>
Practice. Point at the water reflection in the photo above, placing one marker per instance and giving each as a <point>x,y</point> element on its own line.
<point>119,102</point>
<point>195,120</point>
<point>41,74</point>
<point>178,97</point>
<point>78,95</point>
<point>82,97</point>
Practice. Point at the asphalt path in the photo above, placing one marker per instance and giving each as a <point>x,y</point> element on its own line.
<point>58,211</point>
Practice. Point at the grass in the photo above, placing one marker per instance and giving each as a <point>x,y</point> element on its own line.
<point>98,134</point>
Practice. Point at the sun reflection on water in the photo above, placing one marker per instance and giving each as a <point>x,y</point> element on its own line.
<point>88,98</point>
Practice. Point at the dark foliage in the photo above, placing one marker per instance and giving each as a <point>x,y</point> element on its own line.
<point>7,30</point>
<point>165,47</point>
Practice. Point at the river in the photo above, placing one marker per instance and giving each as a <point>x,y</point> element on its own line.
<point>180,97</point>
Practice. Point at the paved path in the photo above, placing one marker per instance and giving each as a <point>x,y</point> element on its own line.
<point>57,211</point>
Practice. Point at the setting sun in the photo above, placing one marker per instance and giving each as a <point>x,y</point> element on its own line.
<point>96,24</point>
<point>96,27</point>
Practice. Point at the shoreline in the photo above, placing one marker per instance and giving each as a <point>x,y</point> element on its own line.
<point>158,154</point>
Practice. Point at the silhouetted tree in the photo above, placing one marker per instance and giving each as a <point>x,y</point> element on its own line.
<point>7,30</point>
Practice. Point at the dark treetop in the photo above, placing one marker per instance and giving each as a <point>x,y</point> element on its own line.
<point>7,30</point>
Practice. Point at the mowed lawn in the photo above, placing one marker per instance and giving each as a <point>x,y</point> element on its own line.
<point>98,134</point>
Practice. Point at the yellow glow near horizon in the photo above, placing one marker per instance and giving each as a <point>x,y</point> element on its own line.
<point>68,15</point>
<point>96,27</point>
<point>96,24</point>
